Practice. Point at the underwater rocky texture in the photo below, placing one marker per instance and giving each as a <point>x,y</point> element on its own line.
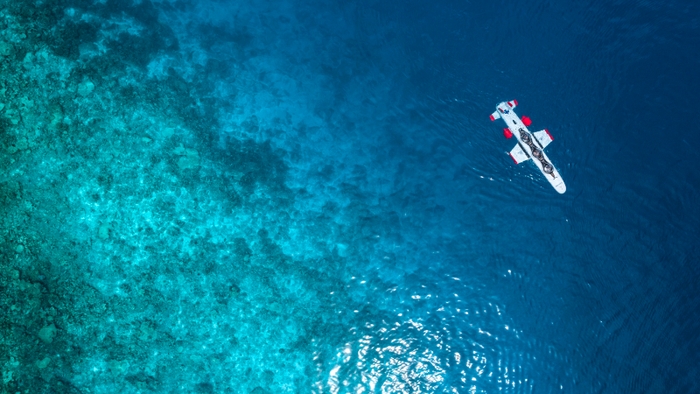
<point>163,230</point>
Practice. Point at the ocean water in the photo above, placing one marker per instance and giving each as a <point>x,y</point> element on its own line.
<point>297,196</point>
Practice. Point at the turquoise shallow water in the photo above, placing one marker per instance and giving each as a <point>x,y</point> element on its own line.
<point>304,197</point>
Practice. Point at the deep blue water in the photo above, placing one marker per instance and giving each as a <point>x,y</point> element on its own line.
<point>309,197</point>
